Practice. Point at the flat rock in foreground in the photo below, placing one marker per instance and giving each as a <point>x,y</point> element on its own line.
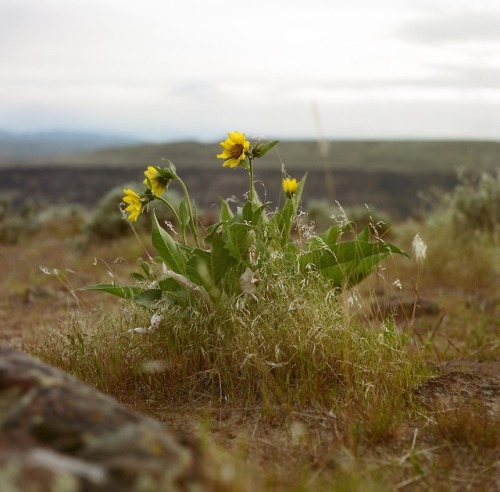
<point>57,433</point>
<point>458,390</point>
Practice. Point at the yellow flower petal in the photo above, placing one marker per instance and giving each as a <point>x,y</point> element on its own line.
<point>224,155</point>
<point>235,149</point>
<point>158,183</point>
<point>231,163</point>
<point>134,208</point>
<point>290,186</point>
<point>237,137</point>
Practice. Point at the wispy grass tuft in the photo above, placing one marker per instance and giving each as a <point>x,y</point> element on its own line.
<point>293,345</point>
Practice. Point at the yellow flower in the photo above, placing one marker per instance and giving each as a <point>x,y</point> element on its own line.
<point>134,204</point>
<point>158,182</point>
<point>290,186</point>
<point>235,149</point>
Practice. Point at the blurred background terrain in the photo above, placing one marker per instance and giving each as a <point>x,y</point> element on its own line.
<point>394,176</point>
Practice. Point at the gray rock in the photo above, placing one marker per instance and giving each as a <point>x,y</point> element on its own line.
<point>58,434</point>
<point>459,389</point>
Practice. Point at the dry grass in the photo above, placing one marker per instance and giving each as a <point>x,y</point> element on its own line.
<point>298,390</point>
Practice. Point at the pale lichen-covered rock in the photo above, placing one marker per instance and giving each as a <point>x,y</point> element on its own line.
<point>58,434</point>
<point>459,389</point>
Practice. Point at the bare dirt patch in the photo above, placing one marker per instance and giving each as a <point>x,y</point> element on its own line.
<point>284,447</point>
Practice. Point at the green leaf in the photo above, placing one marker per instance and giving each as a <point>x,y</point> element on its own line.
<point>260,150</point>
<point>137,276</point>
<point>192,221</point>
<point>172,290</point>
<point>184,212</point>
<point>346,263</point>
<point>168,173</point>
<point>124,291</point>
<point>148,298</point>
<point>253,213</point>
<point>281,223</point>
<point>239,239</point>
<point>298,194</point>
<point>198,267</point>
<point>170,285</point>
<point>167,248</point>
<point>225,211</point>
<point>170,168</point>
<point>333,233</point>
<point>221,260</point>
<point>146,269</point>
<point>364,235</point>
<point>247,212</point>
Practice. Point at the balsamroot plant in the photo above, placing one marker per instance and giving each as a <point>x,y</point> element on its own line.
<point>231,258</point>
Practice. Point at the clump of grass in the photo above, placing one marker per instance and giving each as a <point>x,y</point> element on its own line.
<point>463,237</point>
<point>468,425</point>
<point>16,224</point>
<point>63,221</point>
<point>475,205</point>
<point>294,344</point>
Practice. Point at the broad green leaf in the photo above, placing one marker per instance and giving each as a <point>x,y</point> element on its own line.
<point>333,233</point>
<point>148,298</point>
<point>194,223</point>
<point>247,212</point>
<point>356,250</point>
<point>364,235</point>
<point>204,271</point>
<point>221,260</point>
<point>225,211</point>
<point>256,198</point>
<point>168,172</point>
<point>347,263</point>
<point>170,167</point>
<point>253,213</point>
<point>170,285</point>
<point>137,276</point>
<point>298,194</point>
<point>239,239</point>
<point>172,290</point>
<point>167,248</point>
<point>124,292</point>
<point>281,223</point>
<point>146,269</point>
<point>260,150</point>
<point>184,213</point>
<point>200,275</point>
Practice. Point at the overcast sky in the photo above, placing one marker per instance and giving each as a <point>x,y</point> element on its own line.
<point>174,69</point>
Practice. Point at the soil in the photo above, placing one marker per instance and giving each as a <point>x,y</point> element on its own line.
<point>271,444</point>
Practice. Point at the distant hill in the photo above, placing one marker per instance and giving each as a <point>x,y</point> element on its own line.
<point>31,147</point>
<point>301,156</point>
<point>390,175</point>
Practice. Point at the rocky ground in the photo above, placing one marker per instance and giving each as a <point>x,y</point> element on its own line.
<point>58,432</point>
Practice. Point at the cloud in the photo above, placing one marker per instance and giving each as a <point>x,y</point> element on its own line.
<point>463,77</point>
<point>463,25</point>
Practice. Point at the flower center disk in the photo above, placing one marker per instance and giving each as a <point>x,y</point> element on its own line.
<point>236,151</point>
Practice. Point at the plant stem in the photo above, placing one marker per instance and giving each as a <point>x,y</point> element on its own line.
<point>195,289</point>
<point>193,223</point>
<point>250,172</point>
<point>176,217</point>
